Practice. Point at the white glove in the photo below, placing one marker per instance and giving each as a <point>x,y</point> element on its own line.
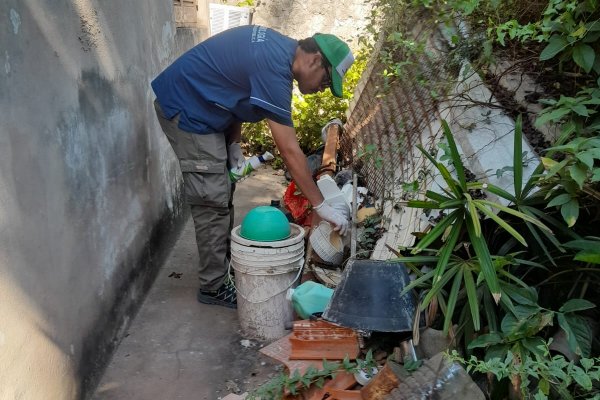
<point>331,215</point>
<point>336,121</point>
<point>235,157</point>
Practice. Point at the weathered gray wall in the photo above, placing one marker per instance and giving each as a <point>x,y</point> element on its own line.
<point>89,188</point>
<point>302,18</point>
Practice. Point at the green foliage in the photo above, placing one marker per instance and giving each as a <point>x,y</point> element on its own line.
<point>462,221</point>
<point>575,175</point>
<point>296,382</point>
<point>518,324</point>
<point>370,153</point>
<point>488,262</point>
<point>571,29</point>
<point>574,110</point>
<point>520,328</point>
<point>588,250</point>
<point>245,3</point>
<point>369,234</point>
<point>542,376</point>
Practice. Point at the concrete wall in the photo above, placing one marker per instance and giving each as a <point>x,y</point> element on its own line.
<point>89,188</point>
<point>301,19</point>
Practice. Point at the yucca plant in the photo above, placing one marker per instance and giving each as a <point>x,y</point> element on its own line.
<point>463,273</point>
<point>529,199</point>
<point>460,230</point>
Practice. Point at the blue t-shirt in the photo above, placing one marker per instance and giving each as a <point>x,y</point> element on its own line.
<point>242,74</point>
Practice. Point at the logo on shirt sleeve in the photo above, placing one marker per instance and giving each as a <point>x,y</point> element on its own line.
<point>259,34</point>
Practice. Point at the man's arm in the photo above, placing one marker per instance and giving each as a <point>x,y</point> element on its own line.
<point>295,160</point>
<point>287,143</point>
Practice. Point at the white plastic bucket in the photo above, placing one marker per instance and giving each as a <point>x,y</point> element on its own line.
<point>264,271</point>
<point>327,243</point>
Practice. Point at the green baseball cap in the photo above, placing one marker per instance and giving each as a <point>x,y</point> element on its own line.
<point>340,57</point>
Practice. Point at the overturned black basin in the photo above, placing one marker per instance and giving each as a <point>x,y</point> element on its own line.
<point>368,297</point>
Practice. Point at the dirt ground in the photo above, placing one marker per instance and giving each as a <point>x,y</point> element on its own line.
<point>177,348</point>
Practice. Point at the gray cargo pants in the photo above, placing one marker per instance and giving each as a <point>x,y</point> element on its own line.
<point>208,191</point>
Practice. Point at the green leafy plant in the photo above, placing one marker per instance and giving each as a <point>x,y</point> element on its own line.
<point>296,382</point>
<point>370,153</point>
<point>520,327</point>
<point>244,3</point>
<point>570,28</point>
<point>575,175</point>
<point>588,250</point>
<point>370,232</point>
<point>541,377</point>
<point>573,112</point>
<point>463,213</point>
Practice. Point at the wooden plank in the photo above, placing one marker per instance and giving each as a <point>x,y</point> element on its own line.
<point>330,151</point>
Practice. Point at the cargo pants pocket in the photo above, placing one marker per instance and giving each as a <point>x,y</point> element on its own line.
<point>205,184</point>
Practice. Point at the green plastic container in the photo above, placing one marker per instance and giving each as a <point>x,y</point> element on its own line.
<point>309,298</point>
<point>265,224</point>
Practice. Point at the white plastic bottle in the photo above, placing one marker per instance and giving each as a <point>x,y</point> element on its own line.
<point>252,163</point>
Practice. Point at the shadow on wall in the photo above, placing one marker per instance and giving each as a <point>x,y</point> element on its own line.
<point>90,192</point>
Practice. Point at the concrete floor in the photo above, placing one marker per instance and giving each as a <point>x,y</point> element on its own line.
<point>177,348</point>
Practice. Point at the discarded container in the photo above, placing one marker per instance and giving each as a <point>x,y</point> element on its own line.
<point>251,164</point>
<point>368,297</point>
<point>265,224</point>
<point>264,271</point>
<point>327,243</point>
<point>309,298</point>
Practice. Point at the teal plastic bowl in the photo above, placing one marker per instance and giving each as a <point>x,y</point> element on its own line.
<point>265,224</point>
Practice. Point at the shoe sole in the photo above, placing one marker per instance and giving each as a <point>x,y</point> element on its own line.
<point>214,302</point>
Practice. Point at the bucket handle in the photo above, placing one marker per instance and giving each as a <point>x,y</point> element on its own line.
<point>268,298</point>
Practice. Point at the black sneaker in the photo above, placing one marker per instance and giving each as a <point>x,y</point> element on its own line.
<point>224,296</point>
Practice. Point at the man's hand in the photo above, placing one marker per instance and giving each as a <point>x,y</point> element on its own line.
<point>235,157</point>
<point>329,214</point>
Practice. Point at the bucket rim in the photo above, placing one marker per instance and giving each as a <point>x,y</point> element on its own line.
<point>297,234</point>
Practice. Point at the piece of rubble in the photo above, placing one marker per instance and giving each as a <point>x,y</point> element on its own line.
<point>432,342</point>
<point>437,378</point>
<point>233,396</point>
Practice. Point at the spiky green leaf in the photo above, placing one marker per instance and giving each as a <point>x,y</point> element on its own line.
<point>485,262</point>
<point>517,161</point>
<point>472,298</point>
<point>456,161</point>
<point>423,204</point>
<point>436,232</point>
<point>500,222</point>
<point>516,213</point>
<point>452,298</point>
<point>501,193</point>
